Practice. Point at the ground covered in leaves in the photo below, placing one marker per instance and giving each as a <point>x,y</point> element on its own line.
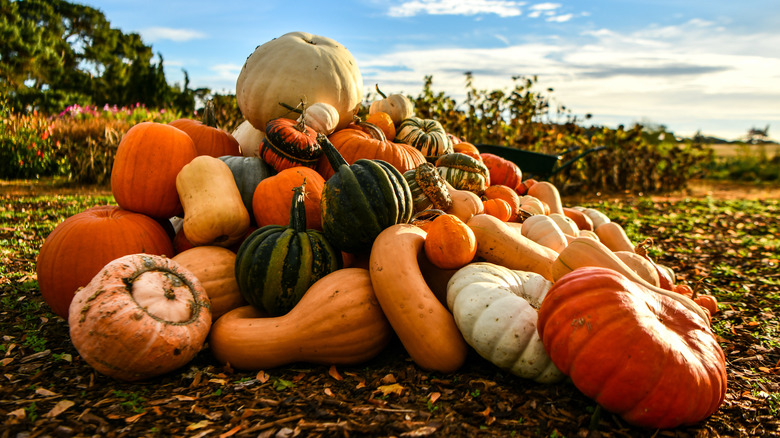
<point>726,246</point>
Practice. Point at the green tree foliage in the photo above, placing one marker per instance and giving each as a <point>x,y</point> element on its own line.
<point>56,53</point>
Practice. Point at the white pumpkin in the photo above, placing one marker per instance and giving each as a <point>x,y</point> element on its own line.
<point>543,230</point>
<point>322,117</point>
<point>249,139</point>
<point>397,106</point>
<point>298,67</point>
<point>495,308</point>
<point>531,204</point>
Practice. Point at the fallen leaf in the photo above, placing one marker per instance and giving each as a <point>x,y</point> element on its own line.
<point>333,372</point>
<point>395,388</point>
<point>434,396</point>
<point>389,378</point>
<point>231,432</point>
<point>60,407</point>
<point>199,425</point>
<point>19,414</point>
<point>45,392</point>
<point>328,392</point>
<point>262,376</point>
<point>134,418</point>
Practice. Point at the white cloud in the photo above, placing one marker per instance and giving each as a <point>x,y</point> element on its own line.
<point>560,18</point>
<point>502,8</point>
<point>154,34</point>
<point>687,77</point>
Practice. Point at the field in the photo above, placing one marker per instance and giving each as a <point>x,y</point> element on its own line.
<point>720,240</point>
<point>731,150</point>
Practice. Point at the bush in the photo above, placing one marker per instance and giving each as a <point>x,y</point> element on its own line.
<point>27,147</point>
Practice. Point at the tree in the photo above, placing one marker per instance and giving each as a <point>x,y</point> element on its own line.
<point>57,53</point>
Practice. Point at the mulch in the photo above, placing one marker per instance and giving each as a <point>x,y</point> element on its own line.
<point>53,392</point>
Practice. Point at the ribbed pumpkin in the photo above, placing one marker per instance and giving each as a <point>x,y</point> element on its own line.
<point>296,67</point>
<point>276,264</point>
<point>362,199</point>
<point>274,197</point>
<point>247,172</point>
<point>289,143</point>
<point>427,135</point>
<point>354,144</point>
<point>143,177</point>
<point>80,246</point>
<point>397,106</point>
<point>637,353</point>
<point>464,172</point>
<point>208,139</point>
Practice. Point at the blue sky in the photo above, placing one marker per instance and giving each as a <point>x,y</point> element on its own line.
<point>690,65</point>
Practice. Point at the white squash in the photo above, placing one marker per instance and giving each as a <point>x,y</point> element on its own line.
<point>249,139</point>
<point>322,117</point>
<point>595,215</point>
<point>531,205</point>
<point>298,67</point>
<point>495,308</point>
<point>566,224</point>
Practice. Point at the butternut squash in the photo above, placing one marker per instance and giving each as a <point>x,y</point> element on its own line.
<point>640,265</point>
<point>584,251</point>
<point>214,266</point>
<point>464,203</point>
<point>543,230</point>
<point>214,213</point>
<point>595,215</point>
<point>425,327</point>
<point>547,193</point>
<point>338,321</point>
<point>499,244</point>
<point>614,237</point>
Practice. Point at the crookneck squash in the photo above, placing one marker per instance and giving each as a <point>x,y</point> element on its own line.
<point>362,199</point>
<point>277,264</point>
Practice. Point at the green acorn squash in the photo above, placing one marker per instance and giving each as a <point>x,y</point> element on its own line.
<point>277,264</point>
<point>361,200</point>
<point>464,172</point>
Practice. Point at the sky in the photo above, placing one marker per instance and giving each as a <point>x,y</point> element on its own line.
<point>692,66</point>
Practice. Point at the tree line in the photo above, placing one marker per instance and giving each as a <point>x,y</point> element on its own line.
<point>57,53</point>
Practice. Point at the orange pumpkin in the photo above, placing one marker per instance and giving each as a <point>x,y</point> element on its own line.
<point>498,208</point>
<point>354,144</point>
<point>503,171</point>
<point>148,159</point>
<point>467,148</point>
<point>79,247</point>
<point>500,191</point>
<point>141,316</point>
<point>450,243</point>
<point>273,197</point>
<point>384,122</point>
<point>208,139</point>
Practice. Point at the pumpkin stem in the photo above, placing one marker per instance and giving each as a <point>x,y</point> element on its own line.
<point>384,96</point>
<point>209,116</point>
<point>291,108</point>
<point>300,109</point>
<point>331,153</point>
<point>298,209</point>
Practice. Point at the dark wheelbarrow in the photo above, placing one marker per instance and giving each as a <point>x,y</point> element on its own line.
<point>536,164</point>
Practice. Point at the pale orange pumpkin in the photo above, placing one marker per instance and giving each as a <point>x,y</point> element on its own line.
<point>450,243</point>
<point>141,316</point>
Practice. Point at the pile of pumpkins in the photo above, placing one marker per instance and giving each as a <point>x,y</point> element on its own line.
<point>308,235</point>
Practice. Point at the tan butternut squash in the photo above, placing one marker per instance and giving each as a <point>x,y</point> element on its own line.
<point>464,203</point>
<point>499,244</point>
<point>614,237</point>
<point>640,265</point>
<point>596,216</point>
<point>214,213</point>
<point>547,193</point>
<point>425,327</point>
<point>566,225</point>
<point>338,321</point>
<point>215,268</point>
<point>543,230</point>
<point>584,251</point>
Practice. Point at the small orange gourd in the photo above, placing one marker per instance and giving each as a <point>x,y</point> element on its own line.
<point>499,208</point>
<point>450,243</point>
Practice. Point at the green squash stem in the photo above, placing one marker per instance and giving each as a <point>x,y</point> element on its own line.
<point>331,153</point>
<point>298,209</point>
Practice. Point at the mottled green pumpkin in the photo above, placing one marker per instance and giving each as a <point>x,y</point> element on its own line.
<point>428,188</point>
<point>464,172</point>
<point>277,264</point>
<point>362,199</point>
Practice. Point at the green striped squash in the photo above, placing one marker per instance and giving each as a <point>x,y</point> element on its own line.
<point>464,172</point>
<point>427,135</point>
<point>277,264</point>
<point>362,199</point>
